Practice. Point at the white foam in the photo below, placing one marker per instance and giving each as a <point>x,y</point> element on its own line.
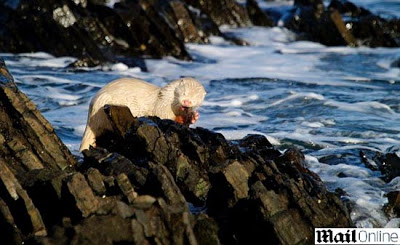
<point>230,100</point>
<point>357,79</point>
<point>373,107</point>
<point>119,67</point>
<point>40,55</point>
<point>393,185</point>
<point>42,60</point>
<point>362,185</point>
<point>218,40</point>
<point>110,3</point>
<point>277,3</point>
<point>295,95</point>
<point>313,124</point>
<point>302,47</point>
<point>254,97</point>
<point>257,36</point>
<point>269,58</point>
<point>46,79</point>
<point>236,103</point>
<point>234,113</point>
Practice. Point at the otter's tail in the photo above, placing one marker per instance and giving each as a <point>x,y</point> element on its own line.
<point>89,139</point>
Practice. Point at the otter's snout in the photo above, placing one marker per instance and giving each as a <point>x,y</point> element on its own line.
<point>187,103</point>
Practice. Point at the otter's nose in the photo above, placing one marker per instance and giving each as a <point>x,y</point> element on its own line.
<point>187,103</point>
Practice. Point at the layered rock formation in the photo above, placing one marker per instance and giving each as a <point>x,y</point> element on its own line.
<point>96,33</point>
<point>340,23</point>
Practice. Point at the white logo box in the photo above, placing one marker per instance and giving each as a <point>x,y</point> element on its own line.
<point>357,236</point>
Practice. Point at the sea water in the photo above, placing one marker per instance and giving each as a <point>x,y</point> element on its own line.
<point>331,102</point>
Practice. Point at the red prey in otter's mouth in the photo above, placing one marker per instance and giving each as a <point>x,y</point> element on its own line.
<point>188,115</point>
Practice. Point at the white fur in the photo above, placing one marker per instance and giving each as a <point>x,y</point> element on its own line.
<point>143,99</point>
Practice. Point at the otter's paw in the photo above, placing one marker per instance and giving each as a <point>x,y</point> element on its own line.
<point>195,117</point>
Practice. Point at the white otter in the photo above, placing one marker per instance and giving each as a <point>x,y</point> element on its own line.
<point>144,99</point>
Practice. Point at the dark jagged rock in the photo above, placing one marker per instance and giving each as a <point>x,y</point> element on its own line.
<point>84,63</point>
<point>75,211</point>
<point>187,161</point>
<point>369,29</point>
<point>256,15</point>
<point>389,165</point>
<point>27,143</point>
<point>222,12</point>
<point>182,20</point>
<point>347,8</point>
<point>392,208</point>
<point>342,23</point>
<point>26,28</point>
<point>374,31</point>
<point>151,31</point>
<point>313,22</point>
<point>317,5</point>
<point>207,230</point>
<point>27,139</point>
<point>258,148</point>
<point>252,193</point>
<point>95,33</point>
<point>368,162</point>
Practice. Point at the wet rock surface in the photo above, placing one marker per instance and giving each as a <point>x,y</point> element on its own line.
<point>341,23</point>
<point>27,139</point>
<point>137,186</point>
<point>389,165</point>
<point>227,12</point>
<point>90,30</point>
<point>369,29</point>
<point>312,21</point>
<point>392,208</point>
<point>256,15</point>
<point>28,148</point>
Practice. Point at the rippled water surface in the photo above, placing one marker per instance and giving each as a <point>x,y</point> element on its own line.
<point>329,102</point>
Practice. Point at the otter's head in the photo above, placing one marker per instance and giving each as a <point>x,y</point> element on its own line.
<point>188,95</point>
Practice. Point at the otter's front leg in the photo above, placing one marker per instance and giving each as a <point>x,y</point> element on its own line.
<point>195,117</point>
